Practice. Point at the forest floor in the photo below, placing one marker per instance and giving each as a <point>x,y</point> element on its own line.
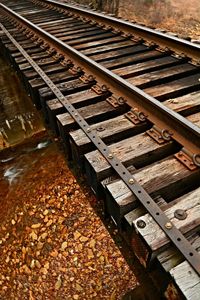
<point>181,17</point>
<point>53,242</point>
<point>167,15</point>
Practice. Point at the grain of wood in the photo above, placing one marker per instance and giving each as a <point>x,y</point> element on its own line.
<point>171,257</point>
<point>110,55</point>
<point>119,125</point>
<point>155,236</point>
<point>187,103</point>
<point>140,68</point>
<point>162,75</point>
<point>187,280</point>
<point>87,45</point>
<point>137,150</point>
<point>173,88</point>
<point>87,112</point>
<point>67,87</point>
<point>139,57</point>
<point>81,97</point>
<point>105,48</point>
<point>195,119</point>
<point>166,178</point>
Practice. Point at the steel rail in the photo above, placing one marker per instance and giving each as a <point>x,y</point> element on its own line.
<point>161,116</point>
<point>176,44</point>
<point>159,216</point>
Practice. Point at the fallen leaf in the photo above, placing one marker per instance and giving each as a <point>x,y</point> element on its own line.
<point>46,212</point>
<point>78,287</point>
<point>40,245</point>
<point>32,265</point>
<point>33,235</point>
<point>64,246</point>
<point>44,235</point>
<point>54,253</point>
<point>113,295</point>
<point>76,235</point>
<point>58,283</point>
<point>34,226</point>
<point>84,239</point>
<point>92,243</point>
<point>46,265</point>
<point>37,263</point>
<point>49,223</point>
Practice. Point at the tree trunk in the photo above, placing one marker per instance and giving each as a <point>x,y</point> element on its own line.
<point>115,7</point>
<point>110,6</point>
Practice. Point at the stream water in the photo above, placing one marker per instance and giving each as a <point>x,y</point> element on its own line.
<point>19,119</point>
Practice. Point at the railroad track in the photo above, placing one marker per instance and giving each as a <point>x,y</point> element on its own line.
<point>125,101</point>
